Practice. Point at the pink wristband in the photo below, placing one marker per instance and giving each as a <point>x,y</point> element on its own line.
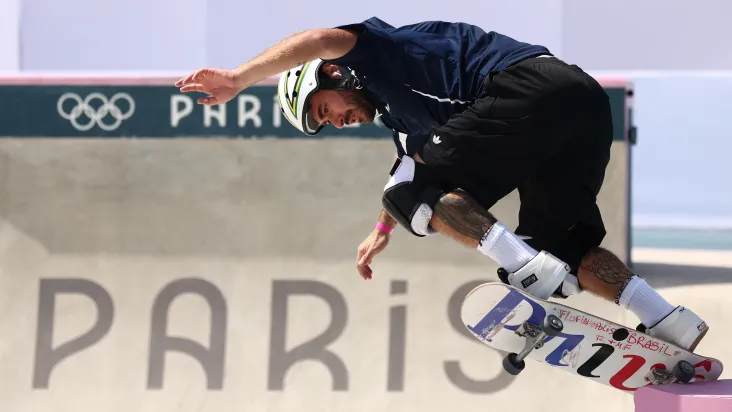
<point>384,228</point>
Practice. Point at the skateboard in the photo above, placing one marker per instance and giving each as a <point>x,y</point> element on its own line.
<point>510,320</point>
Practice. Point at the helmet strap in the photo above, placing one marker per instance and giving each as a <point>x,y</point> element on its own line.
<point>347,82</point>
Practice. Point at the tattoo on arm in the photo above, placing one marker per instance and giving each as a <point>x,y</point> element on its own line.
<point>606,267</point>
<point>464,215</point>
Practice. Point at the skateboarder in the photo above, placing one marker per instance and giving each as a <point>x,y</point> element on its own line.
<point>484,114</point>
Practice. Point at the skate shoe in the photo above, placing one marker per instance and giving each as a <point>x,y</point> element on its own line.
<point>682,327</point>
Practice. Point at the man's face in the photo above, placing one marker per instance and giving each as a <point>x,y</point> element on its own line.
<point>340,107</point>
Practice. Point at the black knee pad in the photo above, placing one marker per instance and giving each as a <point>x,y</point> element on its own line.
<point>410,196</point>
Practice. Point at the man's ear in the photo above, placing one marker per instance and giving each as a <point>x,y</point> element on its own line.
<point>333,71</point>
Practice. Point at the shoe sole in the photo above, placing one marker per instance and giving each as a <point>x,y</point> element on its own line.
<point>698,339</point>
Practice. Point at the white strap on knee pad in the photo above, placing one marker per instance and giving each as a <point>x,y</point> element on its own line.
<point>404,199</point>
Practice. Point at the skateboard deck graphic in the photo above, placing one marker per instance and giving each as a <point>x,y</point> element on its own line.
<point>583,344</point>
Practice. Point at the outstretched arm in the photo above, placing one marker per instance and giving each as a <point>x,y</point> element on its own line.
<point>222,85</point>
<point>295,50</point>
<point>375,242</point>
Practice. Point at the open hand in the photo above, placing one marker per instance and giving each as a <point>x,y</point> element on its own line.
<point>219,84</point>
<point>370,247</point>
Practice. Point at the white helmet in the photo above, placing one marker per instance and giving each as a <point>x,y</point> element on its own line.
<point>298,84</point>
<point>293,92</point>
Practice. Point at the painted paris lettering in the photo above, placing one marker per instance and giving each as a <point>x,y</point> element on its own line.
<point>636,363</point>
<point>633,366</point>
<point>608,344</point>
<point>495,318</point>
<point>603,352</point>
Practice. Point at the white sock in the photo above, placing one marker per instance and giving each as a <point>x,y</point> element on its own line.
<point>508,250</point>
<point>644,302</point>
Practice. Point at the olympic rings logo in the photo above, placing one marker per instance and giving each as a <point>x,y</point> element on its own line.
<point>96,115</point>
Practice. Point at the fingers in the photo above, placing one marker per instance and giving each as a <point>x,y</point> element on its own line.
<point>368,273</point>
<point>192,83</point>
<point>365,271</point>
<point>209,100</point>
<point>185,80</point>
<point>192,88</point>
<point>196,76</point>
<point>363,261</point>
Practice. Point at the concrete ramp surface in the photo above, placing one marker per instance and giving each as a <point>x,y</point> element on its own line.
<point>219,275</point>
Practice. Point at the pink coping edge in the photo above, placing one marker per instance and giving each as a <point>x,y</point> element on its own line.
<point>97,79</point>
<point>713,396</point>
<point>167,79</point>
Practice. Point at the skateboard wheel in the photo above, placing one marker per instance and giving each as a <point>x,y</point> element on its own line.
<point>512,365</point>
<point>684,371</point>
<point>552,325</point>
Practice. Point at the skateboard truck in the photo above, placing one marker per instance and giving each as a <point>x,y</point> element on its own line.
<point>682,372</point>
<point>514,363</point>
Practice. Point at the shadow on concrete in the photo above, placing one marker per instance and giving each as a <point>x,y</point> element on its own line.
<point>667,276</point>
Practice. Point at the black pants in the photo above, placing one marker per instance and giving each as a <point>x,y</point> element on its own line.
<point>543,127</point>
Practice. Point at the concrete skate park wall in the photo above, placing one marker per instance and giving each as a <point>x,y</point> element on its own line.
<point>218,274</point>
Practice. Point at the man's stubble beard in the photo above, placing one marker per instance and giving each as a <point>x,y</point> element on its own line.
<point>354,98</point>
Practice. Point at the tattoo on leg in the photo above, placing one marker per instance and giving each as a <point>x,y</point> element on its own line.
<point>464,215</point>
<point>606,267</point>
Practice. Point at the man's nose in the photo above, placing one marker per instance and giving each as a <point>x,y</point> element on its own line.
<point>339,122</point>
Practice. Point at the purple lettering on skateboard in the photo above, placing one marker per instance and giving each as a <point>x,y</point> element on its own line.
<point>495,317</point>
<point>569,344</point>
<point>502,309</point>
